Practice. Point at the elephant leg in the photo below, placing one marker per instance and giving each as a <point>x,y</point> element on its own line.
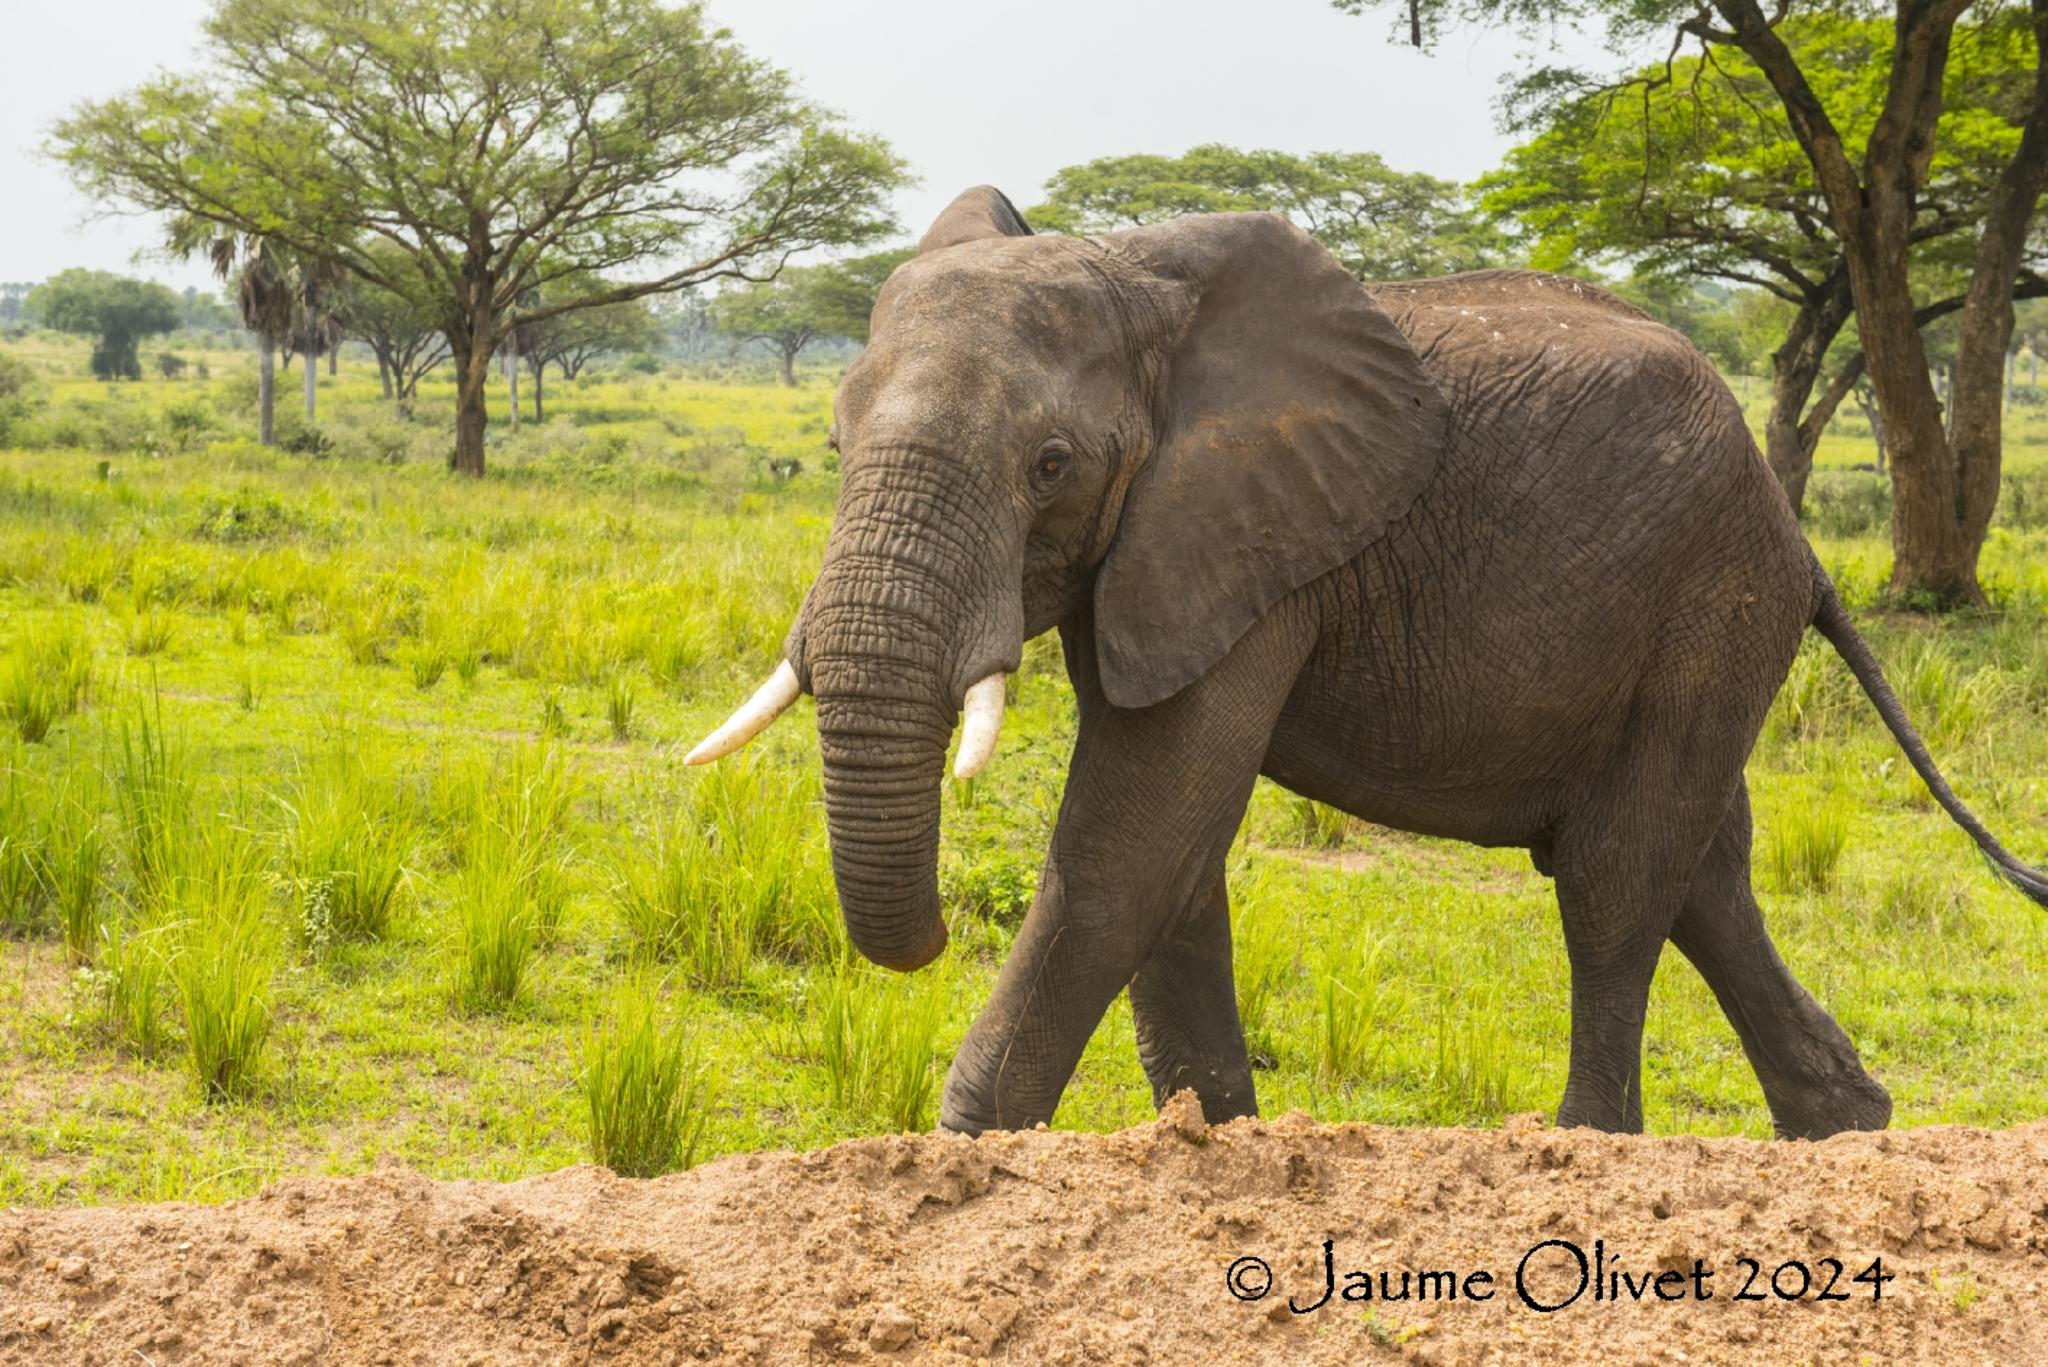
<point>1811,1075</point>
<point>1184,1002</point>
<point>1625,860</point>
<point>1154,796</point>
<point>1615,921</point>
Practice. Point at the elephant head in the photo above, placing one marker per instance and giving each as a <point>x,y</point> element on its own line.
<point>1152,435</point>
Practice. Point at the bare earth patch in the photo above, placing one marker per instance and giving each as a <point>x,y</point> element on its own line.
<point>1055,1247</point>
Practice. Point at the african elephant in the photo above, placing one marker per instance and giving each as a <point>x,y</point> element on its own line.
<point>1490,557</point>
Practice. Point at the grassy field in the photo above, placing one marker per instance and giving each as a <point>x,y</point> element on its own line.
<point>342,817</point>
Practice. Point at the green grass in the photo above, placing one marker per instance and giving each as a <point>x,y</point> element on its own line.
<point>444,899</point>
<point>646,1085</point>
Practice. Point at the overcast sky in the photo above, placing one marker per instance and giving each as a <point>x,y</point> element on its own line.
<point>969,92</point>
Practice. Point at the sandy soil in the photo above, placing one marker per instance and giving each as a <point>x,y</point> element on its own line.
<point>1063,1248</point>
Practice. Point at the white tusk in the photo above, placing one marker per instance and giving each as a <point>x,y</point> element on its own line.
<point>753,716</point>
<point>984,717</point>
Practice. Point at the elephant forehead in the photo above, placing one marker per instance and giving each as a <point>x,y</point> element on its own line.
<point>953,398</point>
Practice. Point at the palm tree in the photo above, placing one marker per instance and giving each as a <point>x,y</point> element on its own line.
<point>265,291</point>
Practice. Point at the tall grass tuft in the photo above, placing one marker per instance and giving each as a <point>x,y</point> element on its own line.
<point>645,1085</point>
<point>133,980</point>
<point>877,1039</point>
<point>618,706</point>
<point>349,832</point>
<point>1263,959</point>
<point>153,791</point>
<point>733,874</point>
<point>44,678</point>
<point>1469,1082</point>
<point>1804,845</point>
<point>74,865</point>
<point>222,963</point>
<point>24,887</point>
<point>148,630</point>
<point>1347,1012</point>
<point>1315,825</point>
<point>498,925</point>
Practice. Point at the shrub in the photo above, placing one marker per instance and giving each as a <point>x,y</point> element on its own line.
<point>998,887</point>
<point>1847,502</point>
<point>645,1085</point>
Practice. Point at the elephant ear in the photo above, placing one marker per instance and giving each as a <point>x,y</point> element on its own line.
<point>1295,425</point>
<point>981,212</point>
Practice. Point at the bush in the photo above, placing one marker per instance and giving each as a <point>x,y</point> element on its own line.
<point>998,887</point>
<point>645,1086</point>
<point>245,516</point>
<point>1847,502</point>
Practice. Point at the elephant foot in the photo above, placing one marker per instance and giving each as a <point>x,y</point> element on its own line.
<point>1858,1103</point>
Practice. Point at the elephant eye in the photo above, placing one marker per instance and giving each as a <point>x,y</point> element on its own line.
<point>1050,464</point>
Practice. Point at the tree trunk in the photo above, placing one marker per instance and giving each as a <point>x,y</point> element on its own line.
<point>1795,366</point>
<point>266,392</point>
<point>311,342</point>
<point>1872,209</point>
<point>1984,330</point>
<point>334,360</point>
<point>1868,403</point>
<point>471,413</point>
<point>789,367</point>
<point>384,372</point>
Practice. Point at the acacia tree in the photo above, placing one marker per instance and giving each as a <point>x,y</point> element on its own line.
<point>115,311</point>
<point>1945,475</point>
<point>1381,223</point>
<point>1695,174</point>
<point>400,331</point>
<point>570,341</point>
<point>806,304</point>
<point>499,145</point>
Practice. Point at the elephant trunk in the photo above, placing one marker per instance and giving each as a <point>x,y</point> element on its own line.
<point>899,625</point>
<point>882,773</point>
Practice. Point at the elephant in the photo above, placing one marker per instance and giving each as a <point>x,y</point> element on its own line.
<point>1491,557</point>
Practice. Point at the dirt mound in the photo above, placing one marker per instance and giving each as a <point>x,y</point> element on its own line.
<point>1922,1246</point>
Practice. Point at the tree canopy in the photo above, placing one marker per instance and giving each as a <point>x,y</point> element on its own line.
<point>1872,181</point>
<point>1381,223</point>
<point>1694,173</point>
<point>805,304</point>
<point>114,310</point>
<point>499,145</point>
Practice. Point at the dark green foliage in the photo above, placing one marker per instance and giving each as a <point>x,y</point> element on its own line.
<point>1381,223</point>
<point>115,310</point>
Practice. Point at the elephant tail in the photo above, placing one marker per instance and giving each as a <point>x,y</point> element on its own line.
<point>1831,619</point>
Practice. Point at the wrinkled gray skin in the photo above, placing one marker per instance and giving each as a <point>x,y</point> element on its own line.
<point>1491,557</point>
